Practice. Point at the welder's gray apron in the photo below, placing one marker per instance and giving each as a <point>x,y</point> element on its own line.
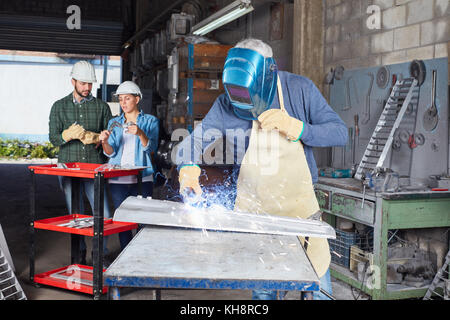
<point>275,179</point>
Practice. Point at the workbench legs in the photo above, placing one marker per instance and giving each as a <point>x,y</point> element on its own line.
<point>114,293</point>
<point>75,253</point>
<point>32,249</point>
<point>380,249</point>
<point>97,241</point>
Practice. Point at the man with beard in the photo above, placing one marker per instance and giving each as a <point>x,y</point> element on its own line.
<point>75,125</point>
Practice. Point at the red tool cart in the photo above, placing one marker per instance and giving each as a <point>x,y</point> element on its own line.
<point>78,277</point>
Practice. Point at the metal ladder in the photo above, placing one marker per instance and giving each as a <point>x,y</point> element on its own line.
<point>442,281</point>
<point>403,93</point>
<point>10,288</point>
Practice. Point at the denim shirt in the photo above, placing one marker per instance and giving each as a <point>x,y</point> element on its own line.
<point>147,123</point>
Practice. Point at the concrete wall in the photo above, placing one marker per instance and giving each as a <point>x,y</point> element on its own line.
<point>308,34</point>
<point>410,29</point>
<point>29,89</point>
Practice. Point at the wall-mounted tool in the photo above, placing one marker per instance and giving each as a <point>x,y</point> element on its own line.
<point>419,139</point>
<point>357,128</point>
<point>339,72</point>
<point>348,105</point>
<point>351,133</point>
<point>404,135</point>
<point>435,146</point>
<point>350,144</point>
<point>418,71</point>
<point>396,144</point>
<point>431,116</point>
<point>412,142</point>
<point>410,109</point>
<point>366,114</point>
<point>355,91</point>
<point>383,77</point>
<point>329,78</point>
<point>416,140</point>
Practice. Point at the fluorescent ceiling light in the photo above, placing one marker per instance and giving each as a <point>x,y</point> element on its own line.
<point>229,13</point>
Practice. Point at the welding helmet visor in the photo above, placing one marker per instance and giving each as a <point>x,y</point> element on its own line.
<point>250,81</point>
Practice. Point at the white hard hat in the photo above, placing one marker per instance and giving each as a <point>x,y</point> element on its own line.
<point>83,71</point>
<point>128,87</point>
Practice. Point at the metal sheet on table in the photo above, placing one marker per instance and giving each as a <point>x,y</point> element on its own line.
<point>186,258</point>
<point>175,214</point>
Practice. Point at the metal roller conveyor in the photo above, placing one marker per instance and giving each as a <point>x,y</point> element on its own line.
<point>175,214</point>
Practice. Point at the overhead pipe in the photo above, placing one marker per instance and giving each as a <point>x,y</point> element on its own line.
<point>130,41</point>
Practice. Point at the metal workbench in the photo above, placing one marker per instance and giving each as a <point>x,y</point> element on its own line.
<point>177,258</point>
<point>382,211</point>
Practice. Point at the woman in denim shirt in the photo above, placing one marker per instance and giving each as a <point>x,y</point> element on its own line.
<point>130,143</point>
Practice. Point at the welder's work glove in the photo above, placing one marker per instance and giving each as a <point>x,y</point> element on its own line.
<point>189,179</point>
<point>75,131</point>
<point>276,119</point>
<point>90,138</point>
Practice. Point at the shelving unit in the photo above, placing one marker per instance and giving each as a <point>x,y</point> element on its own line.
<point>78,277</point>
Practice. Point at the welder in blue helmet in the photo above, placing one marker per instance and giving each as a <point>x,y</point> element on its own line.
<point>250,80</point>
<point>282,116</point>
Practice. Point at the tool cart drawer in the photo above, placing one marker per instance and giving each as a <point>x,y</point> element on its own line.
<point>350,207</point>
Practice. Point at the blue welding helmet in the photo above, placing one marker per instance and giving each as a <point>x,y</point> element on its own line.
<point>250,81</point>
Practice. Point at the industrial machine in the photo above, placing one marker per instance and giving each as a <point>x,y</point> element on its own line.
<point>185,74</point>
<point>195,82</point>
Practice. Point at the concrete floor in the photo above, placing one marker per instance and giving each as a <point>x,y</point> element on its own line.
<point>53,248</point>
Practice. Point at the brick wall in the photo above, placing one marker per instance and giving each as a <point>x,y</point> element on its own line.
<point>410,29</point>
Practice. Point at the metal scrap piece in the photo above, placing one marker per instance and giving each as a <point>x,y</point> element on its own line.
<point>175,214</point>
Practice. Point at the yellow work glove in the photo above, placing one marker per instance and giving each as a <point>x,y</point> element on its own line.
<point>189,179</point>
<point>276,119</point>
<point>74,132</point>
<point>90,138</point>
